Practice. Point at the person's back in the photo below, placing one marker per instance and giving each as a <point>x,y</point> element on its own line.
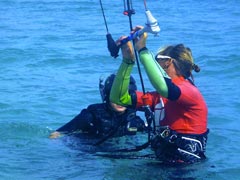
<point>190,111</point>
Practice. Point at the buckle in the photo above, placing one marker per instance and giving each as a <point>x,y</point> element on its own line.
<point>165,132</point>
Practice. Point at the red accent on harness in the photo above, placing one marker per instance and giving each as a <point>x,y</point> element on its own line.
<point>146,100</point>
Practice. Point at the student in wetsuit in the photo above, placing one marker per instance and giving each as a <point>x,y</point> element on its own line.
<point>180,109</point>
<point>105,119</point>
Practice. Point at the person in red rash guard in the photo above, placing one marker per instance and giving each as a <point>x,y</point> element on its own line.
<point>179,108</point>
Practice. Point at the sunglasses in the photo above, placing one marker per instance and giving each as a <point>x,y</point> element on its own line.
<point>160,57</point>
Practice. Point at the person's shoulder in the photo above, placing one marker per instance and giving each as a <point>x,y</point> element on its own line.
<point>188,88</point>
<point>130,110</point>
<point>96,106</point>
<point>190,93</point>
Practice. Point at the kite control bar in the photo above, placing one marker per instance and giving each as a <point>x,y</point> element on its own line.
<point>151,27</point>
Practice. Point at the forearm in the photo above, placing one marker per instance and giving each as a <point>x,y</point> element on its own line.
<point>155,72</point>
<point>119,91</point>
<point>81,122</point>
<point>69,127</point>
<point>61,131</point>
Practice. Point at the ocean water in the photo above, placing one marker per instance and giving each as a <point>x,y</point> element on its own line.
<point>52,53</point>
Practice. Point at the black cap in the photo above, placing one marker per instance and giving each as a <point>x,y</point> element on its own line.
<point>106,88</point>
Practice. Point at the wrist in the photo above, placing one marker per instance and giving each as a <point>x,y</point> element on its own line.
<point>142,49</point>
<point>128,61</point>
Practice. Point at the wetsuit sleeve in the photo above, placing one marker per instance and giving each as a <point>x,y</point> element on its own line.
<point>158,77</point>
<point>155,72</point>
<point>119,91</point>
<point>81,122</point>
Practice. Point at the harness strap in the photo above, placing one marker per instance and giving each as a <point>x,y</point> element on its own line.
<point>170,145</point>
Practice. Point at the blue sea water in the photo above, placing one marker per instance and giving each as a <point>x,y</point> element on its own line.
<point>52,53</point>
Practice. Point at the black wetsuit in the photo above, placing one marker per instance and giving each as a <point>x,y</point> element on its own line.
<point>99,120</point>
